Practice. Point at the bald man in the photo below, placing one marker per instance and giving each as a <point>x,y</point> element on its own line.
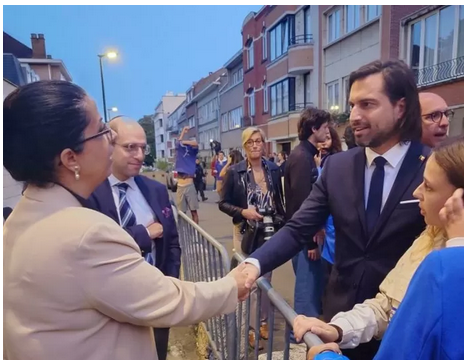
<point>435,118</point>
<point>141,206</point>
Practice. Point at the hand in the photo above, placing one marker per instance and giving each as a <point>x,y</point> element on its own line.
<point>185,129</point>
<point>452,215</point>
<point>155,230</point>
<point>303,324</point>
<point>240,278</point>
<point>319,237</point>
<point>316,350</point>
<point>251,214</point>
<point>318,159</point>
<point>314,254</point>
<point>252,274</point>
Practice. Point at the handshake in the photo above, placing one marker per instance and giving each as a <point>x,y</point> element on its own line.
<point>245,276</point>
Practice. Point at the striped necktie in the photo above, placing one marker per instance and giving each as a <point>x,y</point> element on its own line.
<point>125,211</point>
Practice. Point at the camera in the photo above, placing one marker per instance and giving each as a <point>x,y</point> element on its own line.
<point>268,221</point>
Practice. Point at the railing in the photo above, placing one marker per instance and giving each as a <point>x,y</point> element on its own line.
<point>205,259</point>
<point>447,70</point>
<point>302,39</point>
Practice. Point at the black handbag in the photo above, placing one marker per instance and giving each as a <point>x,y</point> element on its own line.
<point>253,236</point>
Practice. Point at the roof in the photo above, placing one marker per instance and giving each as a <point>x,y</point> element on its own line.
<point>15,47</point>
<point>12,70</point>
<point>234,60</point>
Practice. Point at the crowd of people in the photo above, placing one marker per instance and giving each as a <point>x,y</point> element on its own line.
<point>375,233</point>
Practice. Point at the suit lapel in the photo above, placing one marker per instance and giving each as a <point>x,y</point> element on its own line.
<point>150,197</point>
<point>107,193</point>
<point>412,163</point>
<point>359,169</point>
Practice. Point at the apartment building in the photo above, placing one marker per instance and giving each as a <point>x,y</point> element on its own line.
<point>168,104</point>
<point>281,65</point>
<point>231,104</point>
<point>173,129</point>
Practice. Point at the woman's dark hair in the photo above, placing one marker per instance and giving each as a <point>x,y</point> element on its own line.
<point>309,118</point>
<point>399,83</point>
<point>336,143</point>
<point>284,155</point>
<point>348,136</point>
<point>449,155</point>
<point>236,156</point>
<point>41,120</point>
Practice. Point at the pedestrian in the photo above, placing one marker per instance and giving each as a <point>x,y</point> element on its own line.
<point>200,181</point>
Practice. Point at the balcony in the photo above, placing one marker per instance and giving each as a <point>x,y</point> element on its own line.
<point>445,71</point>
<point>301,54</point>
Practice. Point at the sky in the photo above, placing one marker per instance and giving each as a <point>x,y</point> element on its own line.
<point>161,48</point>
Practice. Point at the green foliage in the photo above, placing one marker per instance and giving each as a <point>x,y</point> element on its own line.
<point>162,165</point>
<point>341,118</point>
<point>147,123</point>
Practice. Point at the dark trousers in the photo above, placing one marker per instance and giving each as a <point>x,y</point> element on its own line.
<point>161,339</point>
<point>199,187</point>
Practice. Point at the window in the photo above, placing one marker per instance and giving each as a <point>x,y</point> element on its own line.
<point>160,123</point>
<point>265,98</point>
<point>372,11</point>
<point>237,76</point>
<point>251,55</point>
<point>437,40</point>
<point>307,91</point>
<point>333,96</point>
<point>352,13</point>
<point>346,84</point>
<point>162,154</point>
<point>191,122</point>
<point>334,25</point>
<point>283,97</point>
<point>281,37</point>
<point>162,138</point>
<point>307,23</point>
<point>190,96</point>
<point>207,112</point>
<point>251,102</point>
<point>225,122</point>
<point>235,118</point>
<point>264,40</point>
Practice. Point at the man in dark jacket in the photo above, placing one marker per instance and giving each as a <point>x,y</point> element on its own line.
<point>299,175</point>
<point>199,180</point>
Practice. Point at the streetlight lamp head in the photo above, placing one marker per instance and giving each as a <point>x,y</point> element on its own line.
<point>210,140</point>
<point>111,55</point>
<point>114,109</point>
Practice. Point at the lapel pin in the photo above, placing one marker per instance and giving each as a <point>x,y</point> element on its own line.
<point>422,158</point>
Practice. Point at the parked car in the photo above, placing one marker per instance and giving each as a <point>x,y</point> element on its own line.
<point>171,179</point>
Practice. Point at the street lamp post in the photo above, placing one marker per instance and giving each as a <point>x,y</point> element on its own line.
<point>110,55</point>
<point>110,110</point>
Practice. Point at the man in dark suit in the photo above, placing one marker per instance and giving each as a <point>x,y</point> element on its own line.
<point>368,191</point>
<point>300,174</point>
<point>141,206</point>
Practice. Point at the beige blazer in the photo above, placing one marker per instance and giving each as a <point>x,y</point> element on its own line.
<point>76,287</point>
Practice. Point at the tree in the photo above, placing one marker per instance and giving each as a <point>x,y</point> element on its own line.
<point>147,123</point>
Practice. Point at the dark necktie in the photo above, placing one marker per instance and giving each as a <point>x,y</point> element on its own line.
<point>374,202</point>
<point>125,211</point>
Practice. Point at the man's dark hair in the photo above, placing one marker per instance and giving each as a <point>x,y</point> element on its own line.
<point>399,83</point>
<point>41,120</point>
<point>348,136</point>
<point>309,118</point>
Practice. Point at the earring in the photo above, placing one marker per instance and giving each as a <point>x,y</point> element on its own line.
<point>76,173</point>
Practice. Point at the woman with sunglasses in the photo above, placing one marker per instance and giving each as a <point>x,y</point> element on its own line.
<point>75,284</point>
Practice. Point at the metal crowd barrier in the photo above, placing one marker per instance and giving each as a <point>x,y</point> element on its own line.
<point>205,259</point>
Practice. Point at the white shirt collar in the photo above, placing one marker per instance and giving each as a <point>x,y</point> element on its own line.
<point>115,181</point>
<point>393,156</point>
<point>455,242</point>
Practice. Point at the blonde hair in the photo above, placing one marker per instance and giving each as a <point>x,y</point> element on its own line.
<point>432,238</point>
<point>249,132</point>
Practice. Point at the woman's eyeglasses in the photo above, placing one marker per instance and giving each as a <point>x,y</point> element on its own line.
<point>133,149</point>
<point>105,131</point>
<point>436,116</point>
<point>251,142</point>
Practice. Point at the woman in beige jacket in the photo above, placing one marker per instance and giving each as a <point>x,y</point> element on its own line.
<point>75,284</point>
<point>442,176</point>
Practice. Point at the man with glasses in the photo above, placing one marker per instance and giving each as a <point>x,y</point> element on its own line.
<point>435,118</point>
<point>141,206</point>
